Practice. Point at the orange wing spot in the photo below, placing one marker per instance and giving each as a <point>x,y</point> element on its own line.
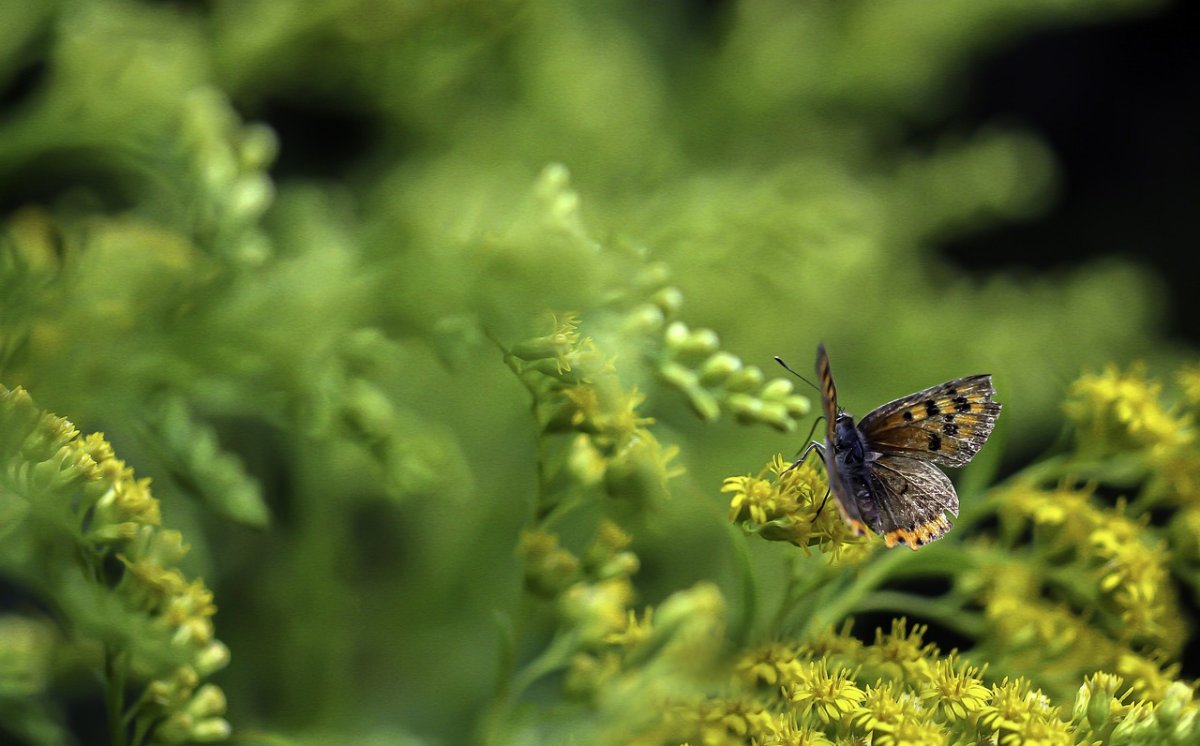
<point>857,527</point>
<point>919,535</point>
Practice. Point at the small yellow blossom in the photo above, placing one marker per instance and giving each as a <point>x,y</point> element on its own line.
<point>1188,379</point>
<point>954,690</point>
<point>902,654</point>
<point>1097,701</point>
<point>753,497</point>
<point>1147,679</point>
<point>1115,410</point>
<point>557,345</point>
<point>774,665</point>
<point>549,568</point>
<point>830,696</point>
<point>893,716</point>
<point>598,609</point>
<point>719,722</point>
<point>785,732</point>
<point>1015,704</point>
<point>793,508</point>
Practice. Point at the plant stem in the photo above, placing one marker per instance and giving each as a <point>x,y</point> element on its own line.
<point>114,680</point>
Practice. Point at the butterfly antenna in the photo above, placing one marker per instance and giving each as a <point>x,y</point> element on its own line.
<point>788,368</point>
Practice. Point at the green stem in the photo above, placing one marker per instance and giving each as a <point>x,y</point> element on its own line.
<point>945,611</point>
<point>114,680</point>
<point>554,657</point>
<point>826,614</point>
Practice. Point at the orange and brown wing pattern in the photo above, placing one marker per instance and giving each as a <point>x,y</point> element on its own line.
<point>828,392</point>
<point>912,497</point>
<point>946,424</point>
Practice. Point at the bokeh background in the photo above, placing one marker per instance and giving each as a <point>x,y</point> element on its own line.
<point>300,233</point>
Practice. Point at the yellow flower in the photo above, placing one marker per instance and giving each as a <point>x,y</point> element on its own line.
<point>1115,411</point>
<point>1147,679</point>
<point>903,654</point>
<point>1097,701</point>
<point>753,497</point>
<point>1188,379</point>
<point>831,696</point>
<point>954,689</point>
<point>721,722</point>
<point>785,732</point>
<point>1020,714</point>
<point>635,632</point>
<point>793,508</point>
<point>548,567</point>
<point>892,716</point>
<point>558,345</point>
<point>598,609</point>
<point>774,665</point>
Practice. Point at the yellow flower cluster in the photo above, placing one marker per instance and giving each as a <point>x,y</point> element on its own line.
<point>792,506</point>
<point>77,484</point>
<point>1026,633</point>
<point>1122,416</point>
<point>898,690</point>
<point>1117,411</point>
<point>1125,564</point>
<point>592,432</point>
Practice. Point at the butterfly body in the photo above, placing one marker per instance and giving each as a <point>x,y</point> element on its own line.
<point>883,471</point>
<point>846,462</point>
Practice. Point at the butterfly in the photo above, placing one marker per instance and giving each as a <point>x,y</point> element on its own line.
<point>883,472</point>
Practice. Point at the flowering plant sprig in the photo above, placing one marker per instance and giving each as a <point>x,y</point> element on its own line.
<point>92,546</point>
<point>1068,585</point>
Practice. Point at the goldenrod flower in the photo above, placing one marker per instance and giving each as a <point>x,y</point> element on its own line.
<point>893,716</point>
<point>1097,702</point>
<point>720,721</point>
<point>1019,714</point>
<point>753,497</point>
<point>597,610</point>
<point>558,345</point>
<point>549,568</point>
<point>831,696</point>
<point>954,690</point>
<point>1115,410</point>
<point>785,732</point>
<point>1147,679</point>
<point>902,654</point>
<point>774,665</point>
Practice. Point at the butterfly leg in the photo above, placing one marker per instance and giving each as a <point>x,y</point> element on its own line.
<point>821,506</point>
<point>820,449</point>
<point>813,446</point>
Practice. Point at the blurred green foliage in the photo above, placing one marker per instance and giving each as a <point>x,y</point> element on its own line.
<point>328,369</point>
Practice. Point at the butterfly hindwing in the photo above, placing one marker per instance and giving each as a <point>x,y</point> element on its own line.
<point>946,424</point>
<point>912,498</point>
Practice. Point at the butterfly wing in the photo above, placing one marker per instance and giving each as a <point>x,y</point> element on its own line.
<point>946,424</point>
<point>828,393</point>
<point>912,498</point>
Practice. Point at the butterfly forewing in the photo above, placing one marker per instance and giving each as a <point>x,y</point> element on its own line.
<point>828,392</point>
<point>946,424</point>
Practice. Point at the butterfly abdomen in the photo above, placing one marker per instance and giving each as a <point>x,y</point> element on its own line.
<point>846,462</point>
